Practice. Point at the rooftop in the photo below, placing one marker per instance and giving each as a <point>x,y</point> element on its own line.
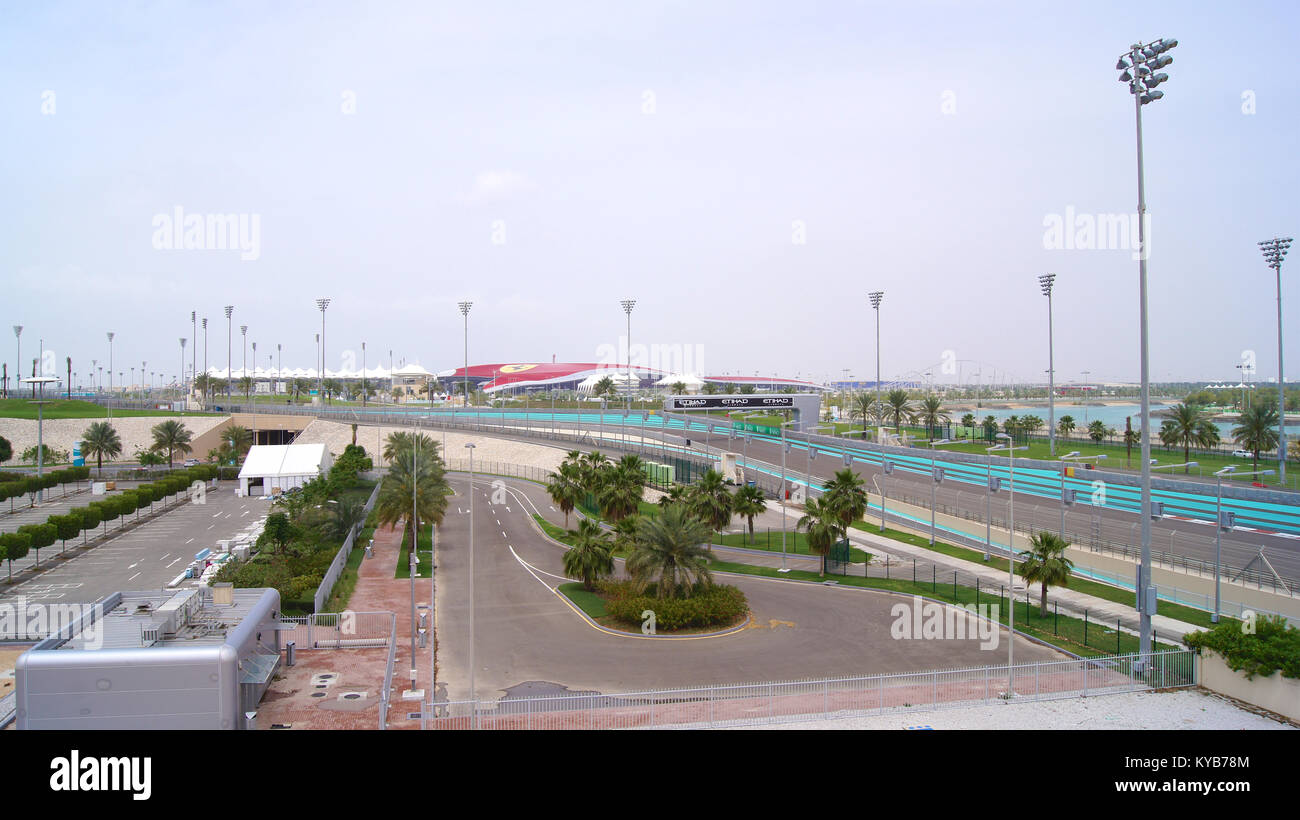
<point>164,618</point>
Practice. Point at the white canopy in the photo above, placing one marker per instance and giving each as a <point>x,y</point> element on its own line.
<point>688,380</point>
<point>284,465</point>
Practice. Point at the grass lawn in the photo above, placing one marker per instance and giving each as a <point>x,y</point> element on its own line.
<point>588,602</point>
<point>1186,614</point>
<point>1063,631</point>
<point>770,541</point>
<point>75,409</point>
<point>347,582</point>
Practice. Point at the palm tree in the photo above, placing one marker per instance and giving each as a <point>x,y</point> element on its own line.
<point>1065,426</point>
<point>1030,424</point>
<point>899,408</point>
<point>1190,425</point>
<point>593,465</point>
<point>246,385</point>
<point>747,389</point>
<point>1256,430</point>
<point>679,388</point>
<point>172,436</point>
<point>990,426</point>
<point>236,440</point>
<point>101,441</point>
<point>1097,431</point>
<point>931,414</point>
<point>677,494</point>
<point>1045,563</point>
<point>414,484</point>
<point>864,406</point>
<point>822,524</point>
<point>729,389</point>
<point>619,492</point>
<point>565,489</point>
<point>710,501</point>
<point>968,421</point>
<point>709,389</point>
<point>592,555</point>
<point>846,496</point>
<point>668,551</point>
<point>603,387</point>
<point>1132,438</point>
<point>747,503</point>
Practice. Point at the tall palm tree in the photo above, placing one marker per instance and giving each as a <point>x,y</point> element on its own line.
<point>1190,425</point>
<point>172,436</point>
<point>899,408</point>
<point>709,389</point>
<point>677,494</point>
<point>1097,431</point>
<point>604,387</point>
<point>990,427</point>
<point>592,555</point>
<point>822,524</point>
<point>565,489</point>
<point>1256,430</point>
<point>414,484</point>
<point>1132,438</point>
<point>669,552</point>
<point>1065,426</point>
<point>968,421</point>
<point>246,385</point>
<point>594,465</point>
<point>1045,563</point>
<point>710,501</point>
<point>236,440</point>
<point>864,406</point>
<point>679,388</point>
<point>846,496</point>
<point>619,493</point>
<point>101,441</point>
<point>747,503</point>
<point>931,414</point>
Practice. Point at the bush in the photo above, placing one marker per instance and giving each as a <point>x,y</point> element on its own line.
<point>89,517</point>
<point>1274,646</point>
<point>711,605</point>
<point>14,545</point>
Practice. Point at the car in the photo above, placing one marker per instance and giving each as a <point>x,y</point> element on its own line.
<point>1242,454</point>
<point>191,462</point>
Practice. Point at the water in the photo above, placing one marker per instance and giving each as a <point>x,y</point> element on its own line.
<point>1110,415</point>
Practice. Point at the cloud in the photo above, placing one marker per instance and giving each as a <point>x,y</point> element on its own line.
<point>493,186</point>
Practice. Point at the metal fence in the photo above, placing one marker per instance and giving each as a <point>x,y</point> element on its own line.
<point>348,630</point>
<point>341,558</point>
<point>830,698</point>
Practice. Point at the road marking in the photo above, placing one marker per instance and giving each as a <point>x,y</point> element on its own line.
<point>190,541</point>
<point>214,515</point>
<point>503,534</point>
<point>174,560</point>
<point>168,555</point>
<point>133,577</point>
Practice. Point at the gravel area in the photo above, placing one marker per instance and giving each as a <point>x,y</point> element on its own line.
<point>337,436</point>
<point>1187,709</point>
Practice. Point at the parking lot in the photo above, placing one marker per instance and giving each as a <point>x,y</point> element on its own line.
<point>148,556</point>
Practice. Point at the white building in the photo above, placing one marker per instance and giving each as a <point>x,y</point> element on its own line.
<point>269,467</point>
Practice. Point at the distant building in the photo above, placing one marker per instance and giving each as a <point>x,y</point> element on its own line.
<point>169,659</point>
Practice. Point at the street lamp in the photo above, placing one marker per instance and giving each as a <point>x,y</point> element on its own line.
<point>1045,282</point>
<point>194,351</point>
<point>1010,448</point>
<point>1224,521</point>
<point>473,694</point>
<point>1067,496</point>
<point>320,377</point>
<point>628,304</point>
<point>205,359</point>
<point>1141,66</point>
<point>229,370</point>
<point>1274,252</point>
<point>875,296</point>
<point>18,368</point>
<point>243,368</point>
<point>363,374</point>
<point>180,385</point>
<point>785,448</point>
<point>936,474</point>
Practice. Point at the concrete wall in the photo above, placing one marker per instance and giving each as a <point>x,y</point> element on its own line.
<point>1274,693</point>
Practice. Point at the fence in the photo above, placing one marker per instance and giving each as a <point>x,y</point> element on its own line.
<point>341,558</point>
<point>348,630</point>
<point>830,698</point>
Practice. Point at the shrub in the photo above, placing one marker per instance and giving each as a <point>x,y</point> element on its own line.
<point>711,605</point>
<point>89,517</point>
<point>1274,646</point>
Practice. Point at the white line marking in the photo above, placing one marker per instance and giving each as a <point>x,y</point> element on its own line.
<point>174,560</point>
<point>168,555</point>
<point>187,542</point>
<point>133,577</point>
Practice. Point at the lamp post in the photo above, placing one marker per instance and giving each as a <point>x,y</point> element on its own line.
<point>1141,66</point>
<point>320,377</point>
<point>875,296</point>
<point>936,475</point>
<point>473,695</point>
<point>278,364</point>
<point>205,359</point>
<point>230,372</point>
<point>1045,283</point>
<point>253,385</point>
<point>180,384</point>
<point>1010,449</point>
<point>1274,252</point>
<point>464,311</point>
<point>363,374</point>
<point>194,351</point>
<point>243,368</point>
<point>1067,498</point>
<point>18,367</point>
<point>1223,522</point>
<point>785,448</point>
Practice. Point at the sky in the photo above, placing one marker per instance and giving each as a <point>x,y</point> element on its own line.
<point>747,172</point>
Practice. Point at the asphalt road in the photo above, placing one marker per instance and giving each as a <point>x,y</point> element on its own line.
<point>146,557</point>
<point>528,640</point>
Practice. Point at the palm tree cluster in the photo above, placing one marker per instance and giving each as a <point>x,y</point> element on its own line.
<point>827,519</point>
<point>1188,425</point>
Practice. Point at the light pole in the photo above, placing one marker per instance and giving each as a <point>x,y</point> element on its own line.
<point>464,311</point>
<point>473,694</point>
<point>1011,560</point>
<point>415,538</point>
<point>229,361</point>
<point>278,364</point>
<point>1045,282</point>
<point>253,385</point>
<point>1274,252</point>
<point>320,377</point>
<point>180,384</point>
<point>205,360</point>
<point>194,351</point>
<point>785,448</point>
<point>363,374</point>
<point>1223,522</point>
<point>875,296</point>
<point>1139,66</point>
<point>936,475</point>
<point>1067,497</point>
<point>243,368</point>
<point>628,304</point>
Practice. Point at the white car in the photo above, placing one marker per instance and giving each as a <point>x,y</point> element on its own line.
<point>1241,454</point>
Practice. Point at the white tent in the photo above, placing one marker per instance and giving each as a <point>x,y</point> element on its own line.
<point>284,465</point>
<point>691,382</point>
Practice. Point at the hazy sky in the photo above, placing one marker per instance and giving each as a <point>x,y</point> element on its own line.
<point>746,171</point>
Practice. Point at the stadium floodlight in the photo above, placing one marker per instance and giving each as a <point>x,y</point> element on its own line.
<point>320,377</point>
<point>464,311</point>
<point>1274,251</point>
<point>1045,283</point>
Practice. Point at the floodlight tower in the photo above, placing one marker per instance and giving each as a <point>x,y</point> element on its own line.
<point>1045,282</point>
<point>628,304</point>
<point>1141,66</point>
<point>1274,252</point>
<point>229,372</point>
<point>464,311</point>
<point>320,377</point>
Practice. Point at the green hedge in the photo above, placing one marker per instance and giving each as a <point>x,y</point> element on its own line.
<point>1273,646</point>
<point>712,605</point>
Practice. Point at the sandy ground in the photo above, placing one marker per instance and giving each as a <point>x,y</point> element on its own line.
<point>1188,709</point>
<point>337,436</point>
<point>62,434</point>
<point>7,658</point>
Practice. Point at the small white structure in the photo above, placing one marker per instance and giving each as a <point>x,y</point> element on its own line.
<point>283,466</point>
